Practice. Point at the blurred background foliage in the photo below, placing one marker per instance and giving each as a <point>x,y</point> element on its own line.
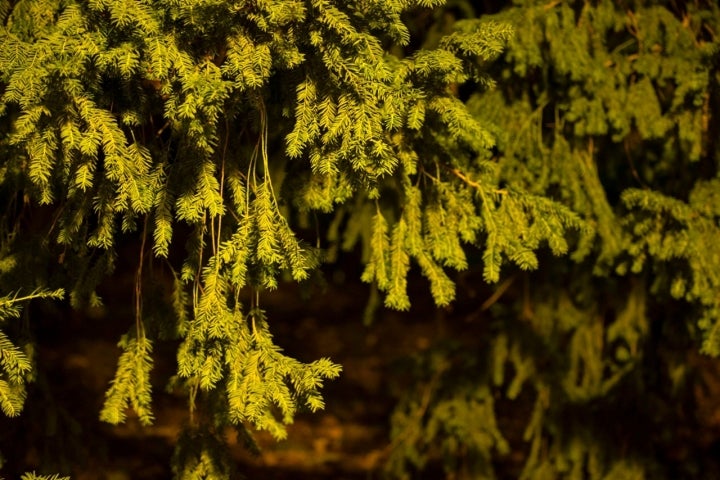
<point>611,109</point>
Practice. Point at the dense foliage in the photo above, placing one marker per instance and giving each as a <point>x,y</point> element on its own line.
<point>609,108</point>
<point>241,144</point>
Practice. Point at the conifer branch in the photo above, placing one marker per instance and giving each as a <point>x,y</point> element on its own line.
<point>474,184</point>
<point>34,476</point>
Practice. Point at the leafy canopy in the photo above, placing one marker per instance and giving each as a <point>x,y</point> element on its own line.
<point>231,122</point>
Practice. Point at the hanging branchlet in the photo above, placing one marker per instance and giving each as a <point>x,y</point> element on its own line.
<point>16,362</point>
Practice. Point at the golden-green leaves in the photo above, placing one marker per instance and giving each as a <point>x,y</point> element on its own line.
<point>260,378</point>
<point>486,40</point>
<point>131,387</point>
<point>129,14</point>
<point>247,63</point>
<point>34,476</point>
<point>667,230</point>
<point>257,377</point>
<point>16,368</point>
<point>377,269</point>
<point>306,126</point>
